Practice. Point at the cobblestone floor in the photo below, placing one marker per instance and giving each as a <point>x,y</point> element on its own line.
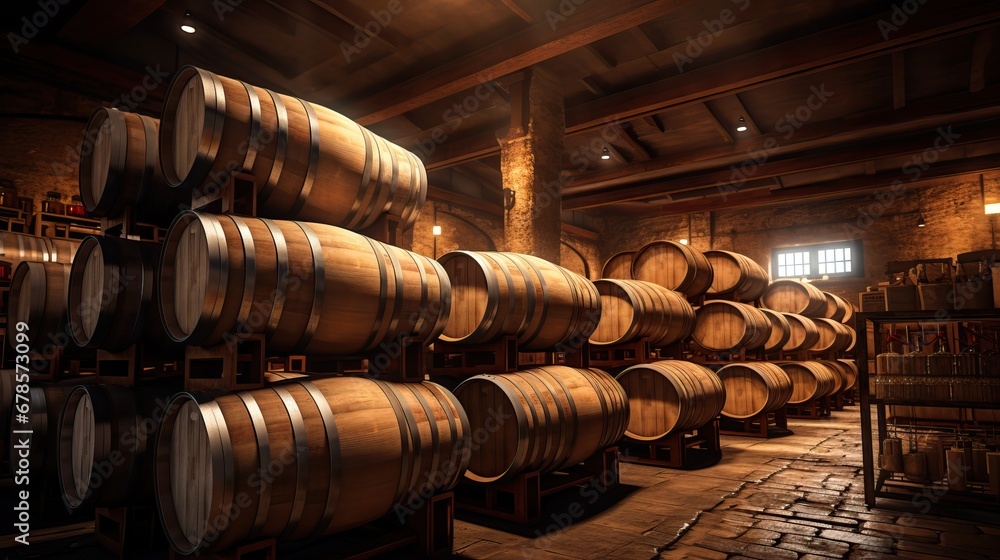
<point>797,497</point>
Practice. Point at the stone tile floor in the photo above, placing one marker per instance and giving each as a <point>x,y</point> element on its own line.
<point>799,496</point>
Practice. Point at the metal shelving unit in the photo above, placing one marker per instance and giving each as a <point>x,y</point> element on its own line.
<point>882,486</point>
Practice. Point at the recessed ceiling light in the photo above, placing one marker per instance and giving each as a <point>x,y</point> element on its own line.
<point>187,25</point>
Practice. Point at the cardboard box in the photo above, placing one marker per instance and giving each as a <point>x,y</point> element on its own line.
<point>871,301</point>
<point>900,298</point>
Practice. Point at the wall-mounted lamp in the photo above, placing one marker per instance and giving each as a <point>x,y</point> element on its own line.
<point>742,125</point>
<point>683,241</point>
<point>187,24</point>
<point>436,230</point>
<point>921,222</point>
<point>992,208</point>
<point>605,154</point>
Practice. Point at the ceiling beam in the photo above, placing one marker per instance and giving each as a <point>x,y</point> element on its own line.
<point>920,115</point>
<point>592,86</point>
<point>719,127</point>
<point>362,21</point>
<point>724,178</point>
<point>827,49</point>
<point>641,38</point>
<point>597,56</point>
<point>625,132</point>
<point>898,79</point>
<point>589,22</point>
<point>516,7</point>
<point>444,195</point>
<point>829,189</point>
<point>980,52</point>
<point>98,21</point>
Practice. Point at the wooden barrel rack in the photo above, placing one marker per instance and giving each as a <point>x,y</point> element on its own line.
<point>690,449</point>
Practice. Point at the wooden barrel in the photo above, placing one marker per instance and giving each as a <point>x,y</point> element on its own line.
<point>673,266</point>
<point>112,294</point>
<point>803,333</point>
<point>302,459</point>
<point>121,169</point>
<point>38,299</point>
<point>310,288</point>
<point>619,266</point>
<point>17,247</point>
<point>540,419</point>
<point>670,396</point>
<point>837,308</point>
<point>833,336</point>
<point>105,433</point>
<point>848,318</point>
<point>850,369</point>
<point>45,403</point>
<point>810,380</point>
<point>722,325</point>
<point>781,331</point>
<point>838,377</point>
<point>310,163</point>
<point>633,309</point>
<point>754,388</point>
<point>736,275</point>
<point>792,296</point>
<point>497,294</point>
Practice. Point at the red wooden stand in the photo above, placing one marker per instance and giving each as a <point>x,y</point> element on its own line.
<point>127,530</point>
<point>66,363</point>
<point>693,449</point>
<point>137,365</point>
<point>763,425</point>
<point>520,500</point>
<point>815,408</point>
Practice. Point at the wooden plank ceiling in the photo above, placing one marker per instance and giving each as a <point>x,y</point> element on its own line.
<point>836,95</point>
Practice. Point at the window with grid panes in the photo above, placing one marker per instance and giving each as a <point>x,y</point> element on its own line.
<point>835,259</point>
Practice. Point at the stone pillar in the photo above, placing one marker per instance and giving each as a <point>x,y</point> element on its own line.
<point>531,162</point>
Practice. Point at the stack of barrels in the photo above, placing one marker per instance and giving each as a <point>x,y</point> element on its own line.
<point>315,456</point>
<point>819,332</point>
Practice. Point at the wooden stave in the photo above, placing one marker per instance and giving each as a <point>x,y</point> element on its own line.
<point>751,283</point>
<point>838,376</point>
<point>804,325</point>
<point>756,326</point>
<point>134,178</point>
<point>684,377</point>
<point>777,383</point>
<point>836,307</point>
<point>780,328</point>
<point>334,451</point>
<point>18,247</point>
<point>125,418</point>
<point>697,279</point>
<point>421,313</point>
<point>851,371</point>
<point>838,342</point>
<point>507,299</point>
<point>587,407</point>
<point>261,132</point>
<point>808,300</point>
<point>823,377</point>
<point>654,313</point>
<point>130,314</point>
<point>619,266</point>
<point>46,311</point>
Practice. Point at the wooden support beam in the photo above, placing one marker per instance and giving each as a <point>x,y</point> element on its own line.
<point>984,137</point>
<point>580,232</point>
<point>460,149</point>
<point>814,53</point>
<point>625,132</point>
<point>520,114</point>
<point>898,79</point>
<point>721,128</point>
<point>361,18</point>
<point>980,52</point>
<point>521,11</point>
<point>656,122</point>
<point>99,21</point>
<point>597,56</point>
<point>920,115</point>
<point>646,45</point>
<point>592,86</point>
<point>591,22</point>
<point>615,154</point>
<point>316,18</point>
<point>830,189</point>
